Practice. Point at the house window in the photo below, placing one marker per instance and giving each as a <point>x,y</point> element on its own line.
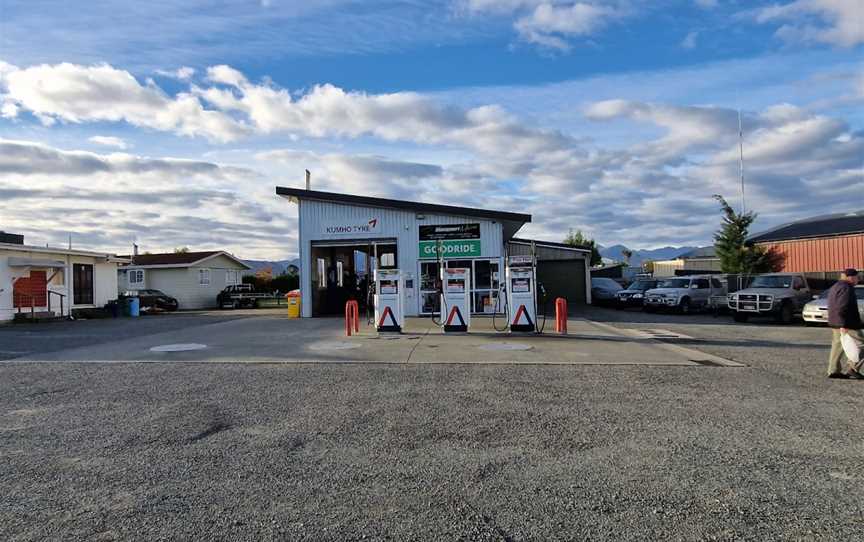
<point>204,277</point>
<point>232,277</point>
<point>136,278</point>
<point>82,284</point>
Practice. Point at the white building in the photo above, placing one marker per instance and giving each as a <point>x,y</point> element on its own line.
<point>193,278</point>
<point>53,282</point>
<point>344,237</point>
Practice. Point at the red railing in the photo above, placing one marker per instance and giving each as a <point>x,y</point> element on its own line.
<point>352,317</point>
<point>561,316</point>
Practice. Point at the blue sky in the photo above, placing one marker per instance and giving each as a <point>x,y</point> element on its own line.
<point>171,123</point>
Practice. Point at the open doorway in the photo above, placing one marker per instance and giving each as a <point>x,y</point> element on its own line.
<point>343,272</point>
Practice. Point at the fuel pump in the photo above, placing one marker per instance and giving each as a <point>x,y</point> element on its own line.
<point>521,286</point>
<point>389,312</point>
<point>455,299</point>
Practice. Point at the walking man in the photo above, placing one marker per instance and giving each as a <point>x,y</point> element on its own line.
<point>844,319</point>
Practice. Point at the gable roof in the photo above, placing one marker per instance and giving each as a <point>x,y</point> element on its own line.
<point>180,259</point>
<point>819,226</point>
<point>516,220</point>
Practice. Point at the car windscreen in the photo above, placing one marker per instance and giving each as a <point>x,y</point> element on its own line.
<point>675,283</point>
<point>642,285</point>
<point>772,282</point>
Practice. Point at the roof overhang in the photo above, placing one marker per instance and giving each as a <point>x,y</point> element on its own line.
<point>512,222</point>
<point>35,262</point>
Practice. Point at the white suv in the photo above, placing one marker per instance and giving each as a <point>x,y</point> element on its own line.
<point>684,294</point>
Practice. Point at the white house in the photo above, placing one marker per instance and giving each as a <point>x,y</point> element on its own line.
<point>51,282</point>
<point>193,278</point>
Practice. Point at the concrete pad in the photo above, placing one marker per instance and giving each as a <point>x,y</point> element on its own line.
<point>275,338</point>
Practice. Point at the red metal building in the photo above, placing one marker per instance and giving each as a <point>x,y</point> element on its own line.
<point>826,244</point>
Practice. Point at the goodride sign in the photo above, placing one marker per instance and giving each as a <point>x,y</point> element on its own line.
<point>451,240</point>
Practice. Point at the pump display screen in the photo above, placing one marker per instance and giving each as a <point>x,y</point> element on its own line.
<point>520,285</point>
<point>456,286</point>
<point>389,287</point>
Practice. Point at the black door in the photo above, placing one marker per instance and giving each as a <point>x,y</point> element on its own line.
<point>82,284</point>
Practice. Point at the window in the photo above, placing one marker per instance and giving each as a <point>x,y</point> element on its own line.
<point>136,277</point>
<point>232,277</point>
<point>701,284</point>
<point>322,274</point>
<point>82,284</point>
<point>204,277</point>
<point>716,284</point>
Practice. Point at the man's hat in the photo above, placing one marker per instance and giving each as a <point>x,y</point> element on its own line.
<point>851,272</point>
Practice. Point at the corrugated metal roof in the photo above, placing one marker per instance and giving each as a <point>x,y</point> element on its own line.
<point>700,254</point>
<point>350,199</point>
<point>179,259</point>
<point>820,226</point>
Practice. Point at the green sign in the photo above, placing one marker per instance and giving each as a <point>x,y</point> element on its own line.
<point>452,249</point>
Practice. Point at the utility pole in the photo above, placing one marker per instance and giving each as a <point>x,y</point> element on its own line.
<point>741,159</point>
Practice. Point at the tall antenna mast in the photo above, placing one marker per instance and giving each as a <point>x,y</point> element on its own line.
<point>741,159</point>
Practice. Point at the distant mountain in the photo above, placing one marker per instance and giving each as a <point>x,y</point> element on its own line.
<point>278,267</point>
<point>615,252</point>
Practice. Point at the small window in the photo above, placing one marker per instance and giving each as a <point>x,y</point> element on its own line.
<point>797,284</point>
<point>702,284</point>
<point>204,277</point>
<point>388,260</point>
<point>232,277</point>
<point>716,284</point>
<point>136,277</point>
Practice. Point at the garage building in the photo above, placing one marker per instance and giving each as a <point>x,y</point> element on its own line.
<point>824,244</point>
<point>343,238</point>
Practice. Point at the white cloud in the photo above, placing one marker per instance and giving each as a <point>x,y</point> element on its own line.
<point>73,93</point>
<point>183,73</point>
<point>689,41</point>
<point>553,23</point>
<point>835,22</point>
<point>109,141</point>
<point>106,200</point>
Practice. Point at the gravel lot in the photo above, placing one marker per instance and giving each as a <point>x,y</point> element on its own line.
<point>432,452</point>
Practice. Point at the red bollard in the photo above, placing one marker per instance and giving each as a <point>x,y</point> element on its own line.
<point>352,317</point>
<point>561,316</point>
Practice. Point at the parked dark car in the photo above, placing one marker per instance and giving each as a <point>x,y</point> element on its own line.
<point>154,300</point>
<point>603,291</point>
<point>634,295</point>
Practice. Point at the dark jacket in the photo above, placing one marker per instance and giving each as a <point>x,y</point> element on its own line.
<point>843,306</point>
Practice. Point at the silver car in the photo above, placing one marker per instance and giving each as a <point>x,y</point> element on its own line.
<point>684,294</point>
<point>816,312</point>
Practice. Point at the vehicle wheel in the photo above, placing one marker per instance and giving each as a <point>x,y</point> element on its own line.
<point>786,314</point>
<point>684,307</point>
<point>235,305</point>
<point>741,318</point>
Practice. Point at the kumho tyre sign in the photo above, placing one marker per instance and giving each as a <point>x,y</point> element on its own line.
<point>469,248</point>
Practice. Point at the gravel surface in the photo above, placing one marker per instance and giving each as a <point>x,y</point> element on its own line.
<point>432,452</point>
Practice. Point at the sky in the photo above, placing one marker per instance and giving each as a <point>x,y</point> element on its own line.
<point>171,123</point>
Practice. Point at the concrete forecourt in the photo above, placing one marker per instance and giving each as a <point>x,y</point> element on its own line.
<point>633,427</point>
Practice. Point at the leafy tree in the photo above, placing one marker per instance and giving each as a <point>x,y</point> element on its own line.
<point>578,239</point>
<point>627,253</point>
<point>730,242</point>
<point>181,250</point>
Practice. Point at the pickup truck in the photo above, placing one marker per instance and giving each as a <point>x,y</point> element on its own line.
<point>780,295</point>
<point>238,296</point>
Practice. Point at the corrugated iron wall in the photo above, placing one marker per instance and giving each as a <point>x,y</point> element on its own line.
<point>821,255</point>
